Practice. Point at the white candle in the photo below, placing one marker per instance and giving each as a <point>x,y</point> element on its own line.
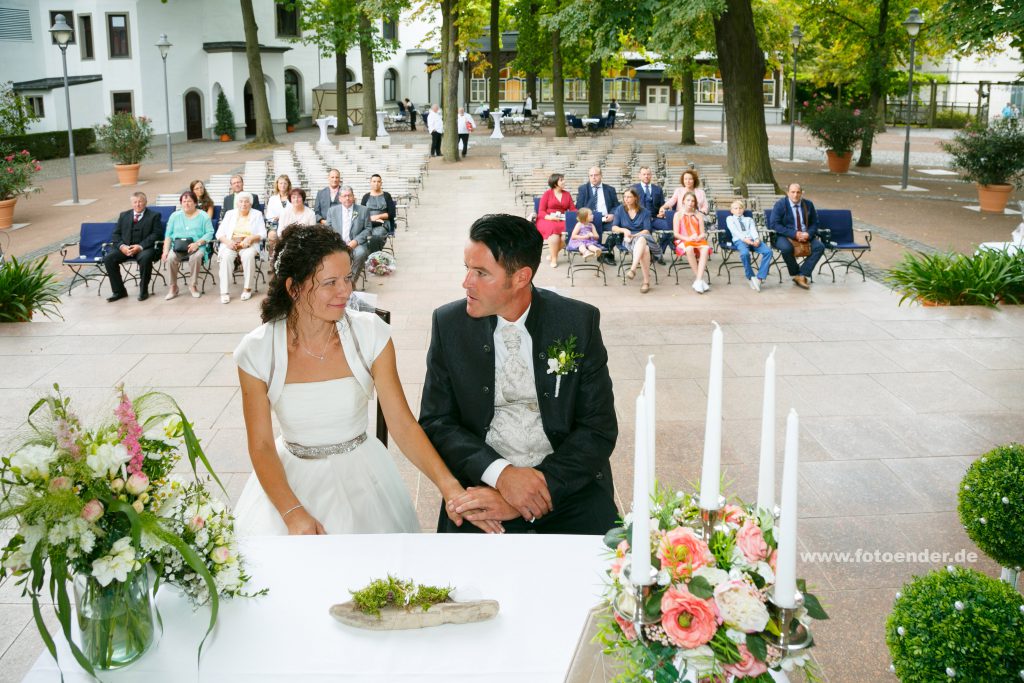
<point>766,472</point>
<point>640,543</point>
<point>710,471</point>
<point>785,567</point>
<point>651,421</point>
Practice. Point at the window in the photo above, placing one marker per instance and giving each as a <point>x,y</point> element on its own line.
<point>69,17</point>
<point>390,85</point>
<point>85,29</point>
<point>622,89</point>
<point>287,22</point>
<point>390,30</point>
<point>117,35</point>
<point>36,103</point>
<point>478,90</point>
<point>122,102</point>
<point>768,86</point>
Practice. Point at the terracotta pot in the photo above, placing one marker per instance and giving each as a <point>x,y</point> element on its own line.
<point>290,128</point>
<point>225,138</point>
<point>838,164</point>
<point>7,212</point>
<point>931,304</point>
<point>993,198</point>
<point>127,174</point>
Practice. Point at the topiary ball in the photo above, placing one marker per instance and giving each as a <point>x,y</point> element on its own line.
<point>957,624</point>
<point>992,504</point>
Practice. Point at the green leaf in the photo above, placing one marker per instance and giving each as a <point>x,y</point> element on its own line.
<point>814,608</point>
<point>757,646</point>
<point>700,587</point>
<point>614,537</point>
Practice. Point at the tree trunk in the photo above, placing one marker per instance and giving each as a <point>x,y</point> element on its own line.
<point>264,126</point>
<point>341,92</point>
<point>450,96</point>
<point>369,82</point>
<point>877,77</point>
<point>688,136</point>
<point>558,84</point>
<point>741,62</point>
<point>531,88</point>
<point>495,56</point>
<point>595,90</point>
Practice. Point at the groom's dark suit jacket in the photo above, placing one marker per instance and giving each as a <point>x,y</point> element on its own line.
<point>457,407</point>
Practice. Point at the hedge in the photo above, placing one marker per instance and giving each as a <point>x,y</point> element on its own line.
<point>54,144</point>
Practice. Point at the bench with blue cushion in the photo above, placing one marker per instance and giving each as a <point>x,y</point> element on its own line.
<point>841,247</point>
<point>93,243</point>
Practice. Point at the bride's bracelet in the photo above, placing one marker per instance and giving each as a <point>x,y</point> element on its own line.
<point>290,510</point>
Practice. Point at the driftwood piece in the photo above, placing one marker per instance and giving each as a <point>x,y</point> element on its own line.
<point>398,618</point>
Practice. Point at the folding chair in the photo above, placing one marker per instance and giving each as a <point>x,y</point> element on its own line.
<point>728,251</point>
<point>93,242</point>
<point>576,262</point>
<point>836,233</point>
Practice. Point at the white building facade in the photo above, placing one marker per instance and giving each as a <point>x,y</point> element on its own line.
<point>113,63</point>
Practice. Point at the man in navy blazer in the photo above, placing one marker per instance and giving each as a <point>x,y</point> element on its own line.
<point>597,196</point>
<point>794,218</point>
<point>651,198</point>
<point>135,238</point>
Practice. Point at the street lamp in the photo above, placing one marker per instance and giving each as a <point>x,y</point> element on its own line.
<point>794,40</point>
<point>164,46</point>
<point>62,33</point>
<point>913,26</point>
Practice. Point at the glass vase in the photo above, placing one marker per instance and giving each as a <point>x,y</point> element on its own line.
<point>116,622</point>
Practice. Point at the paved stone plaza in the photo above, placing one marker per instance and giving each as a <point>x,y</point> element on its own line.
<point>894,401</point>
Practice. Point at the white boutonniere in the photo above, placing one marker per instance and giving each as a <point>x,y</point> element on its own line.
<point>562,359</point>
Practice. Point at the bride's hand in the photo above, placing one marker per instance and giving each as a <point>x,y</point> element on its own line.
<point>301,523</point>
<point>481,503</point>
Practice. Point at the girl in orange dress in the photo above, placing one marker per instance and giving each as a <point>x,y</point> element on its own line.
<point>692,240</point>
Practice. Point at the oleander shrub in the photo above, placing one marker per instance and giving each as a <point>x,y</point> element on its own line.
<point>991,504</point>
<point>952,119</point>
<point>987,278</point>
<point>990,155</point>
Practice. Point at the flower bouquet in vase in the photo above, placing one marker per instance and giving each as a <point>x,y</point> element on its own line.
<point>709,615</point>
<point>99,509</point>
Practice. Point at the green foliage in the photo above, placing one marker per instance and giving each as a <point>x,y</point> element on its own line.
<point>957,620</point>
<point>16,169</point>
<point>983,279</point>
<point>54,144</point>
<point>982,25</point>
<point>225,118</point>
<point>125,137</point>
<point>395,592</point>
<point>26,288</point>
<point>291,108</point>
<point>533,46</point>
<point>952,119</point>
<point>992,155</point>
<point>15,112</point>
<point>992,504</point>
<point>839,128</point>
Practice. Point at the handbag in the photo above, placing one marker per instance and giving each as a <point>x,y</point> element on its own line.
<point>180,246</point>
<point>800,249</point>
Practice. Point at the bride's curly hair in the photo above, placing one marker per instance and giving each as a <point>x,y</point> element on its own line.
<point>299,255</point>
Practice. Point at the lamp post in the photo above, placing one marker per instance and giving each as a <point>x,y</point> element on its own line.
<point>62,33</point>
<point>794,40</point>
<point>164,46</point>
<point>913,26</point>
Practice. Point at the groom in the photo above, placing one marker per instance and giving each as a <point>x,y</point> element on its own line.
<point>532,456</point>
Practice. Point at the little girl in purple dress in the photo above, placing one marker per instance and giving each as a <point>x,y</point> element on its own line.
<point>584,235</point>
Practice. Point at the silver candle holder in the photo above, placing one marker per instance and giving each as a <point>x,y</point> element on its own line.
<point>792,639</point>
<point>630,603</point>
<point>709,519</point>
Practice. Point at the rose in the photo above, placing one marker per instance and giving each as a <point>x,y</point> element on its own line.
<point>220,554</point>
<point>628,629</point>
<point>60,484</point>
<point>33,461</point>
<point>137,483</point>
<point>138,506</point>
<point>688,621</point>
<point>740,606</point>
<point>748,666</point>
<point>196,523</point>
<point>734,514</point>
<point>750,540</point>
<point>92,511</point>
<point>620,557</point>
<point>681,551</point>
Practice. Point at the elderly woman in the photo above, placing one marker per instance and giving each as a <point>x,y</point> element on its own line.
<point>381,205</point>
<point>551,214</point>
<point>690,182</point>
<point>187,234</point>
<point>634,223</point>
<point>239,234</point>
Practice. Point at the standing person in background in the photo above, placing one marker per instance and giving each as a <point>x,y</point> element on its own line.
<point>528,105</point>
<point>410,111</point>
<point>466,127</point>
<point>435,124</point>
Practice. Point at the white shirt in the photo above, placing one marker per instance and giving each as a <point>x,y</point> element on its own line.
<point>529,103</point>
<point>346,222</point>
<point>463,119</point>
<point>275,207</point>
<point>435,124</point>
<point>601,205</point>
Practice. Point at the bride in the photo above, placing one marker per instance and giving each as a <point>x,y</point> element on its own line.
<point>316,365</point>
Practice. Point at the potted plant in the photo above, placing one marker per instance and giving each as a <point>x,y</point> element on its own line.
<point>225,126</point>
<point>992,158</point>
<point>291,110</point>
<point>991,508</point>
<point>838,128</point>
<point>987,278</point>
<point>25,289</point>
<point>126,138</point>
<point>16,171</point>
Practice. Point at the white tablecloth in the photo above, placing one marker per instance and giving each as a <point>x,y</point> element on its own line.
<point>545,585</point>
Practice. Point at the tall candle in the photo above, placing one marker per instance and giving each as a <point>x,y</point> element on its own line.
<point>785,572</point>
<point>710,470</point>
<point>651,422</point>
<point>640,543</point>
<point>766,472</point>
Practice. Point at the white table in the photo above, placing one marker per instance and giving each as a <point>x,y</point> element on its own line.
<point>588,121</point>
<point>323,123</point>
<point>496,115</point>
<point>545,585</point>
<point>382,130</point>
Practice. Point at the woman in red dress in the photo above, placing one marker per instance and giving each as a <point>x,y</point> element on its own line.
<point>551,215</point>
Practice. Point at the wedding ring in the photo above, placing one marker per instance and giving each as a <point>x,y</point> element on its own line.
<point>532,520</point>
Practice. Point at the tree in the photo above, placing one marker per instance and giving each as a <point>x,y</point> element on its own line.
<point>495,54</point>
<point>225,119</point>
<point>15,111</point>
<point>533,51</point>
<point>366,46</point>
<point>450,64</point>
<point>264,126</point>
<point>982,25</point>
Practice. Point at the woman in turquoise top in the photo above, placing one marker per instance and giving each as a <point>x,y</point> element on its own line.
<point>188,223</point>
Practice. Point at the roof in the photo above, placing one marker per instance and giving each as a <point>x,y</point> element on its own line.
<point>509,40</point>
<point>52,83</point>
<point>239,46</point>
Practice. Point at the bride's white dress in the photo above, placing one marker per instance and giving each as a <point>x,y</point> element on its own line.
<point>359,491</point>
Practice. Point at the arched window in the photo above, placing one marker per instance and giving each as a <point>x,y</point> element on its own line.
<point>291,83</point>
<point>390,85</point>
<point>350,77</point>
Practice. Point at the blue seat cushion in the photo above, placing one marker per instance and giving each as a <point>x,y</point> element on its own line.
<point>849,245</point>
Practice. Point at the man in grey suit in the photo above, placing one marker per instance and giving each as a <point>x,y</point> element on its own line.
<point>328,197</point>
<point>352,222</point>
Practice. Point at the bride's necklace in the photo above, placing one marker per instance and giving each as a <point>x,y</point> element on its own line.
<point>323,352</point>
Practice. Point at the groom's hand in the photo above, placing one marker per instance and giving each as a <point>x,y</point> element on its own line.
<point>482,503</point>
<point>526,490</point>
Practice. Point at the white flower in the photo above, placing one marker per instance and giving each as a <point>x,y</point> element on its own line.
<point>740,606</point>
<point>33,461</point>
<point>664,578</point>
<point>151,543</point>
<point>736,636</point>
<point>167,431</point>
<point>21,558</point>
<point>765,570</point>
<point>552,365</point>
<point>117,564</point>
<point>713,575</point>
<point>228,578</point>
<point>790,662</point>
<point>106,459</point>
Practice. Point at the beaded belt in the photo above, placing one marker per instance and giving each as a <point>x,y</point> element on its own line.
<point>318,452</point>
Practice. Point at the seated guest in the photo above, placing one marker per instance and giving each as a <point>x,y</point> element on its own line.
<point>328,197</point>
<point>651,198</point>
<point>237,186</point>
<point>204,202</point>
<point>634,223</point>
<point>381,205</point>
<point>690,182</point>
<point>239,233</point>
<point>188,232</point>
<point>599,198</point>
<point>746,238</point>
<point>296,213</point>
<point>555,201</point>
<point>134,239</point>
<point>795,221</point>
<point>585,238</point>
<point>276,205</point>
<point>352,222</point>
<point>690,237</point>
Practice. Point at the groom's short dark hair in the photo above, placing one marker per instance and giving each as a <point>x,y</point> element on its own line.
<point>514,241</point>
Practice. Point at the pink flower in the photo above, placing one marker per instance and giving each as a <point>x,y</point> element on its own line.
<point>688,621</point>
<point>620,557</point>
<point>681,551</point>
<point>749,666</point>
<point>221,554</point>
<point>856,112</point>
<point>24,152</point>
<point>9,157</point>
<point>806,103</point>
<point>92,511</point>
<point>60,484</point>
<point>137,483</point>
<point>750,541</point>
<point>38,167</point>
<point>129,431</point>
<point>772,559</point>
<point>628,629</point>
<point>10,170</point>
<point>196,523</point>
<point>734,514</point>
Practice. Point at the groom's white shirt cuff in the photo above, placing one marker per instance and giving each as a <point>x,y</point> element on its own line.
<point>493,471</point>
